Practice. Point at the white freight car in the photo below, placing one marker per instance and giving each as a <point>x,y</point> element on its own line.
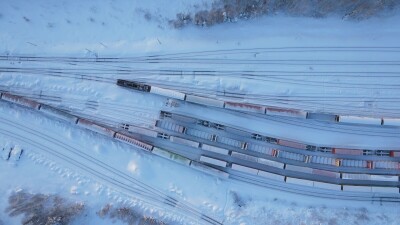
<point>205,101</point>
<point>183,141</point>
<point>244,157</point>
<point>271,175</point>
<point>209,170</point>
<point>391,122</point>
<point>212,161</point>
<point>215,149</point>
<point>244,169</point>
<point>360,120</point>
<point>270,163</point>
<point>292,180</point>
<point>167,93</point>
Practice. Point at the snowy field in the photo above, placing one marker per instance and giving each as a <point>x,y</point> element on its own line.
<point>322,65</point>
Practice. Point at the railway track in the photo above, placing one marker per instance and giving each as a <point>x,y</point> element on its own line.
<point>380,199</point>
<point>153,196</point>
<point>127,111</point>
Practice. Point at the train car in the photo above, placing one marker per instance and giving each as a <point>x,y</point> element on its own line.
<point>392,190</point>
<point>170,126</point>
<point>133,85</point>
<point>167,93</point>
<point>292,144</point>
<point>259,148</point>
<point>20,101</point>
<point>183,141</point>
<point>244,157</point>
<point>323,160</point>
<point>385,178</point>
<point>394,153</point>
<point>298,181</point>
<point>245,107</point>
<point>357,188</point>
<point>346,151</point>
<point>143,131</point>
<point>244,169</point>
<point>387,165</point>
<point>329,186</point>
<point>90,125</point>
<point>300,169</point>
<point>271,176</point>
<point>133,141</point>
<point>230,141</point>
<point>292,156</point>
<point>212,161</point>
<point>236,131</point>
<point>215,149</point>
<point>177,117</point>
<point>391,122</point>
<point>201,134</point>
<point>51,111</point>
<point>274,111</point>
<point>326,173</point>
<point>356,176</point>
<point>205,101</point>
<point>209,170</point>
<point>172,156</point>
<point>271,163</point>
<point>360,120</point>
<point>354,163</point>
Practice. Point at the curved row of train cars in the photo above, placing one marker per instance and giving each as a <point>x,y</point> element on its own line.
<point>207,160</point>
<point>251,108</point>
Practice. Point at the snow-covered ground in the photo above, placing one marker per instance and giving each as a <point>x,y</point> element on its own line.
<point>140,28</point>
